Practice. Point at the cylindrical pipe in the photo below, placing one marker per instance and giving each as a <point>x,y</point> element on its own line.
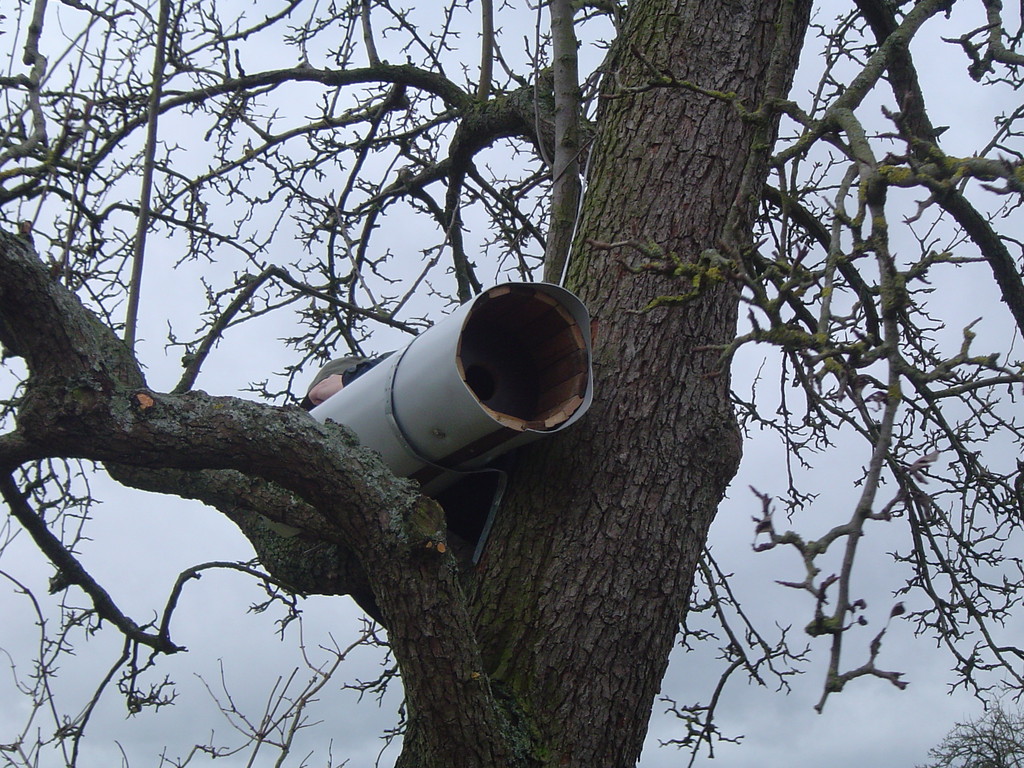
<point>506,368</point>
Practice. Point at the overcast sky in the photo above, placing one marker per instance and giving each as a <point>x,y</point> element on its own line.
<point>141,541</point>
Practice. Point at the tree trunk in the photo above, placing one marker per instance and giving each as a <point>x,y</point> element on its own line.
<point>590,565</point>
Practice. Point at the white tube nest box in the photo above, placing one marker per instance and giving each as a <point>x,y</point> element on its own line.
<point>506,368</point>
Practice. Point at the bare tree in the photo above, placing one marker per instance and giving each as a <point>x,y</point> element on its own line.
<point>720,213</point>
<point>994,740</point>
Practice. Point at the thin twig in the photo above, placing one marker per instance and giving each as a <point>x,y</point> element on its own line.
<point>149,162</point>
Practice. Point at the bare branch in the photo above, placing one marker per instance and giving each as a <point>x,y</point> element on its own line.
<point>135,282</point>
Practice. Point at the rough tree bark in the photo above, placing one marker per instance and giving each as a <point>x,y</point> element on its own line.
<point>592,560</point>
<point>551,652</point>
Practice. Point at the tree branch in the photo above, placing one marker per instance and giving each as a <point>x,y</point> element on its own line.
<point>565,172</point>
<point>87,402</point>
<point>148,163</point>
<point>72,572</point>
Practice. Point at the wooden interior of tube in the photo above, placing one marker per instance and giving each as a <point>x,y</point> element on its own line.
<point>524,357</point>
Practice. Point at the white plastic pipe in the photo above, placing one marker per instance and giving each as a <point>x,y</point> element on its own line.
<point>506,368</point>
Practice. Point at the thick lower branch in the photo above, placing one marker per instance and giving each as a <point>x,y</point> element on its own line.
<point>85,399</point>
<point>313,562</point>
